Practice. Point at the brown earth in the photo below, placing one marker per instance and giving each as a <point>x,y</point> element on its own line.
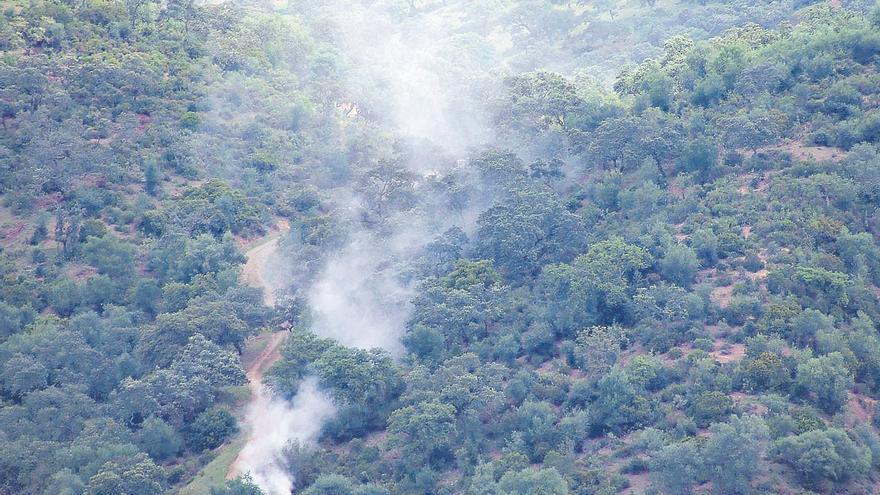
<point>252,274</point>
<point>257,257</point>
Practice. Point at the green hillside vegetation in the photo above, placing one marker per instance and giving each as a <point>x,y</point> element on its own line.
<point>671,283</point>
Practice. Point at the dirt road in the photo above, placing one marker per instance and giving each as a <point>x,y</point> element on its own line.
<point>252,273</point>
<point>257,258</point>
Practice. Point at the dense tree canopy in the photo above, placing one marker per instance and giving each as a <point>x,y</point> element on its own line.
<point>607,247</point>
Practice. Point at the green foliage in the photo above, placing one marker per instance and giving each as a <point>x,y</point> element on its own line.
<point>137,476</point>
<point>158,439</point>
<point>824,456</point>
<point>825,380</point>
<point>528,230</point>
<point>680,265</point>
<point>238,486</point>
<point>589,297</point>
<point>677,467</point>
<point>732,455</point>
<point>710,406</point>
<point>210,429</point>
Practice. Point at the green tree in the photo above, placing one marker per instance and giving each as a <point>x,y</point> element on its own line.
<point>733,454</point>
<point>677,468</point>
<point>242,485</point>
<point>528,229</point>
<point>680,265</point>
<point>159,439</point>
<point>822,458</point>
<point>825,380</point>
<point>210,429</point>
<point>529,481</point>
<point>137,475</point>
<point>423,428</point>
<point>111,256</point>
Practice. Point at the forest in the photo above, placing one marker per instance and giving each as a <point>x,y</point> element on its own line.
<point>439,247</point>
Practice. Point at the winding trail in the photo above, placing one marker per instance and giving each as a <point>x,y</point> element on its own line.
<point>257,258</point>
<point>252,274</point>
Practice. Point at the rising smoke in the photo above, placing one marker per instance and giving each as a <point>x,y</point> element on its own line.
<point>273,423</point>
<point>416,75</point>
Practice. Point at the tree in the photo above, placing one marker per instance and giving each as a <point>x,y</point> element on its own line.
<point>110,256</point>
<point>540,100</point>
<point>537,423</point>
<point>825,380</point>
<point>242,485</point>
<point>710,406</point>
<point>358,377</point>
<point>705,243</point>
<point>152,176</point>
<point>765,371</point>
<point>620,406</point>
<point>158,439</point>
<point>595,288</point>
<point>699,157</point>
<point>148,296</point>
<point>732,456</point>
<point>677,468</point>
<point>531,480</point>
<point>424,429</point>
<point>824,457</point>
<point>22,374</point>
<point>137,475</point>
<point>210,429</point>
<point>65,296</point>
<point>680,265</point>
<point>752,129</point>
<point>527,230</point>
<point>330,484</point>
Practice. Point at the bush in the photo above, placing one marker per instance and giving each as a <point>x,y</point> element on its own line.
<point>680,265</point>
<point>825,457</point>
<point>709,407</point>
<point>210,429</point>
<point>158,439</point>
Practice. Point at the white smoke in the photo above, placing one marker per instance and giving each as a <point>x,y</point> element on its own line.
<point>417,72</point>
<point>273,423</point>
<point>412,76</point>
<point>358,302</point>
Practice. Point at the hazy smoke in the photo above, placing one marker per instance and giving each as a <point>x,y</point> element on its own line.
<point>417,72</point>
<point>275,422</point>
<point>415,75</point>
<point>357,301</point>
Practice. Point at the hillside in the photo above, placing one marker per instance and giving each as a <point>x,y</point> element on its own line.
<point>522,247</point>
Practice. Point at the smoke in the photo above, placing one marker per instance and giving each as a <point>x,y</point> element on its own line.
<point>273,423</point>
<point>419,73</point>
<point>359,302</point>
<point>415,76</point>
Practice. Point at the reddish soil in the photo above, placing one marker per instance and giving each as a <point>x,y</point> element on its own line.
<point>257,366</point>
<point>49,200</point>
<point>144,121</point>
<point>638,483</point>
<point>267,357</point>
<point>802,152</point>
<point>724,353</point>
<point>860,410</point>
<point>257,257</point>
<point>255,371</point>
<point>721,296</point>
<point>10,234</point>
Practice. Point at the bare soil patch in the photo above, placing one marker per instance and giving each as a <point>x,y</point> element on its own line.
<point>721,296</point>
<point>727,353</point>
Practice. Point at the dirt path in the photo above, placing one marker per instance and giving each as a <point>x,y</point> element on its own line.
<point>252,273</point>
<point>257,257</point>
<point>255,371</point>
